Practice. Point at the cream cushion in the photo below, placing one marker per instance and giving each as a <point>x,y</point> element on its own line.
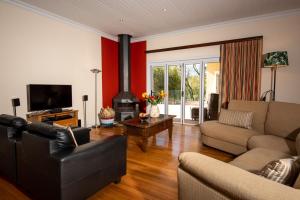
<point>282,119</point>
<point>272,142</point>
<point>236,118</point>
<point>259,108</point>
<point>257,158</point>
<point>227,133</point>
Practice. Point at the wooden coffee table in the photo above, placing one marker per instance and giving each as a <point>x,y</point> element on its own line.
<point>149,128</point>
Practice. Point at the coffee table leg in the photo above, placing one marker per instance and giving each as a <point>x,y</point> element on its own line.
<point>170,129</point>
<point>144,141</point>
<point>144,144</point>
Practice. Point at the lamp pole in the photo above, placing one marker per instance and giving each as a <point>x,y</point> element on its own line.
<point>96,71</point>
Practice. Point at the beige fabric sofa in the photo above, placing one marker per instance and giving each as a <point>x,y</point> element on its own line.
<point>201,177</point>
<point>272,124</point>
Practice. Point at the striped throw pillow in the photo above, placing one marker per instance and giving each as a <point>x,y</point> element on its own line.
<point>236,118</point>
<point>283,171</point>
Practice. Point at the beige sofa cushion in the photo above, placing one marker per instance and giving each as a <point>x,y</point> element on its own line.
<point>282,119</point>
<point>236,118</point>
<point>259,108</point>
<point>227,133</point>
<point>256,159</point>
<point>272,142</point>
<point>234,149</point>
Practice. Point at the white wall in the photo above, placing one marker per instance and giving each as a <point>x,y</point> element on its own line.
<point>281,32</point>
<point>36,49</point>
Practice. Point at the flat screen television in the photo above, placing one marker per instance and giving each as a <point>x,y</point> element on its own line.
<point>48,97</point>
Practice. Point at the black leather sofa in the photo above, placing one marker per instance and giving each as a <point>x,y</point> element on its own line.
<point>10,131</point>
<point>49,166</point>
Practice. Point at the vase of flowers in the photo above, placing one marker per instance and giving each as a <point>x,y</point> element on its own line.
<point>154,99</point>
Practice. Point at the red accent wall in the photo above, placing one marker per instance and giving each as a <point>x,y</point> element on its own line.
<point>138,68</point>
<point>110,71</point>
<point>110,74</point>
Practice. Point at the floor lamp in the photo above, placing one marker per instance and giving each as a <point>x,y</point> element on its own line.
<point>96,72</point>
<point>274,60</point>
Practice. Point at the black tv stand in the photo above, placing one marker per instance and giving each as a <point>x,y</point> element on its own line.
<point>55,110</point>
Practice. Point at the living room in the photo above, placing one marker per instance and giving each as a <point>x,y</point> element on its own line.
<point>60,42</point>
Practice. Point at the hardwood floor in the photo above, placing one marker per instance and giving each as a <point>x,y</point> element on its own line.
<point>151,175</point>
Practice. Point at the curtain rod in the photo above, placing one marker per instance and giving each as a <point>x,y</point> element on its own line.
<point>203,44</point>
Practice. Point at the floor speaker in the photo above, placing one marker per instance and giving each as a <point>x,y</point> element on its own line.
<point>15,103</point>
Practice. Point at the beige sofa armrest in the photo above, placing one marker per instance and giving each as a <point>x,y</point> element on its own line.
<point>232,181</point>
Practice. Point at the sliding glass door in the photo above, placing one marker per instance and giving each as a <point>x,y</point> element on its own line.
<point>189,86</point>
<point>174,98</point>
<point>192,92</point>
<point>158,83</point>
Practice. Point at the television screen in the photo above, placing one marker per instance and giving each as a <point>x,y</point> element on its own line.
<point>47,97</point>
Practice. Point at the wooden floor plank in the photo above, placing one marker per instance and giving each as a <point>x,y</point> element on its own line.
<point>151,175</point>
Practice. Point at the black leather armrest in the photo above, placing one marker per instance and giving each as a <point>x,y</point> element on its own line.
<point>90,158</point>
<point>82,135</point>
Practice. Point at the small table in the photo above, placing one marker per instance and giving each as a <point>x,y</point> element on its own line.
<point>149,128</point>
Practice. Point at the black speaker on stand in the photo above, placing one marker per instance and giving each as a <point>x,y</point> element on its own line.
<point>15,103</point>
<point>84,100</point>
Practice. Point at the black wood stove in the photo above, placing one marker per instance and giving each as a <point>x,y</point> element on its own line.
<point>125,104</point>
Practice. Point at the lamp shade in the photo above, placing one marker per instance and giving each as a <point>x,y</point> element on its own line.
<point>276,59</point>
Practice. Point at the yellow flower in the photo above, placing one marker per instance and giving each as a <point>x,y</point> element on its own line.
<point>145,95</point>
<point>162,93</point>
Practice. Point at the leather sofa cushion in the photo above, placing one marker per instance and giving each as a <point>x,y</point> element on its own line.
<point>16,122</point>
<point>272,142</point>
<point>231,134</point>
<point>61,136</point>
<point>283,119</point>
<point>257,158</point>
<point>259,108</point>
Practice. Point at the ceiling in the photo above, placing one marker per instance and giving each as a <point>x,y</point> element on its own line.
<point>146,17</point>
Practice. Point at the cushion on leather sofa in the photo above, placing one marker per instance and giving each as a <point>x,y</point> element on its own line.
<point>259,108</point>
<point>283,119</point>
<point>227,133</point>
<point>257,158</point>
<point>272,142</point>
<point>61,136</point>
<point>9,120</point>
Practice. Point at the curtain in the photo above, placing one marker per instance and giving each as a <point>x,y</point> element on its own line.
<point>241,64</point>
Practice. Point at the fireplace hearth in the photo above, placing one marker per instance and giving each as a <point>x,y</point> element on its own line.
<point>125,104</point>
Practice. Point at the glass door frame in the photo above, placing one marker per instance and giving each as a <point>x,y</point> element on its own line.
<point>182,64</point>
<point>201,89</point>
